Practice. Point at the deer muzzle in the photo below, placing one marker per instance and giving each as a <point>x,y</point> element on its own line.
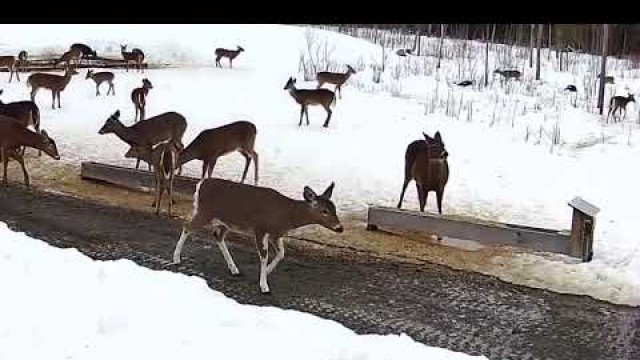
<point>338,228</point>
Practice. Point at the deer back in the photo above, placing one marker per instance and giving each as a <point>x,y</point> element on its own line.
<point>14,134</point>
<point>220,141</point>
<point>7,61</point>
<point>102,76</point>
<point>26,112</point>
<point>313,96</point>
<point>166,126</point>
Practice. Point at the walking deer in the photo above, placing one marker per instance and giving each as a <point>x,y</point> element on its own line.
<point>426,163</point>
<point>10,63</point>
<point>55,83</point>
<point>85,50</point>
<point>135,56</point>
<point>619,103</point>
<point>261,212</point>
<point>147,133</point>
<point>508,74</point>
<point>211,144</point>
<point>26,112</point>
<point>99,78</point>
<point>338,79</point>
<point>163,156</point>
<point>139,98</point>
<point>72,55</point>
<point>14,135</point>
<point>306,97</point>
<point>230,54</point>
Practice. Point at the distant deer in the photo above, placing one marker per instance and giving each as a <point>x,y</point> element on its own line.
<point>230,54</point>
<point>55,83</point>
<point>466,83</point>
<point>13,136</point>
<point>306,97</point>
<point>99,78</point>
<point>211,144</point>
<point>135,56</point>
<point>147,133</point>
<point>139,98</point>
<point>607,79</point>
<point>619,103</point>
<point>72,55</point>
<point>26,112</point>
<point>404,52</point>
<point>338,79</point>
<point>163,156</point>
<point>262,212</point>
<point>508,74</point>
<point>86,51</point>
<point>22,60</point>
<point>10,63</point>
<point>426,163</point>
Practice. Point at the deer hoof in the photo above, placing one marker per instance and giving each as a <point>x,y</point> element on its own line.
<point>268,292</point>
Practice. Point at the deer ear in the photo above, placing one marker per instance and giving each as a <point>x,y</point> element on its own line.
<point>116,114</point>
<point>327,193</point>
<point>1,91</point>
<point>427,137</point>
<point>308,194</point>
<point>437,137</point>
<point>44,133</point>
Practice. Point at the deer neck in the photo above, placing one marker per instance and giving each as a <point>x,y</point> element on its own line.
<point>294,92</point>
<point>31,139</point>
<point>301,214</point>
<point>126,134</point>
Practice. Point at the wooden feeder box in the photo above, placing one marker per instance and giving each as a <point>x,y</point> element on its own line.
<point>582,227</point>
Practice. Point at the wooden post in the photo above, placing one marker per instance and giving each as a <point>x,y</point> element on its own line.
<point>603,68</point>
<point>582,227</point>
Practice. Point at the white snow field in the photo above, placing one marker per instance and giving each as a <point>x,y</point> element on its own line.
<point>502,169</point>
<point>60,304</point>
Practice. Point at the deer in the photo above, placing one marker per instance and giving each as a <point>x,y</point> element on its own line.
<point>619,103</point>
<point>139,98</point>
<point>163,156</point>
<point>25,112</point>
<point>14,135</point>
<point>135,56</point>
<point>10,63</point>
<point>261,212</point>
<point>85,50</point>
<point>426,163</point>
<point>147,133</point>
<point>99,78</point>
<point>508,74</point>
<point>607,79</point>
<point>306,97</point>
<point>230,54</point>
<point>211,144</point>
<point>55,83</point>
<point>22,60</point>
<point>338,79</point>
<point>69,56</point>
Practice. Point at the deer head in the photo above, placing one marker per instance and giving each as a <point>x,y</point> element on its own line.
<point>322,208</point>
<point>240,49</point>
<point>112,123</point>
<point>146,84</point>
<point>350,70</point>
<point>630,98</point>
<point>49,145</point>
<point>123,48</point>
<point>290,83</point>
<point>435,146</point>
<point>89,74</point>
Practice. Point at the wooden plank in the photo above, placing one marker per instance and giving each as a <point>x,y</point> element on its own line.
<point>394,220</point>
<point>131,178</point>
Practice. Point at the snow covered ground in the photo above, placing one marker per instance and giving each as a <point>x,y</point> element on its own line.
<point>500,167</point>
<point>60,304</point>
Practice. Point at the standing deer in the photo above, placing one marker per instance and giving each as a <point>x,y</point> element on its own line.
<point>619,103</point>
<point>135,56</point>
<point>210,144</point>
<point>55,83</point>
<point>607,79</point>
<point>99,78</point>
<point>139,98</point>
<point>508,74</point>
<point>163,156</point>
<point>147,133</point>
<point>338,79</point>
<point>72,55</point>
<point>230,54</point>
<point>262,212</point>
<point>86,51</point>
<point>10,63</point>
<point>426,163</point>
<point>26,112</point>
<point>306,97</point>
<point>13,136</point>
<point>22,60</point>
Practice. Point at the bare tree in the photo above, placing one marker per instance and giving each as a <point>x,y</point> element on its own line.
<point>486,56</point>
<point>441,42</point>
<point>533,31</point>
<point>538,45</point>
<point>416,44</point>
<point>603,69</point>
<point>549,43</point>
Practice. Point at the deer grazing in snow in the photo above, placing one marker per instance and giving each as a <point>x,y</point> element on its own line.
<point>426,163</point>
<point>25,112</point>
<point>99,78</point>
<point>261,212</point>
<point>139,98</point>
<point>135,56</point>
<point>306,97</point>
<point>86,51</point>
<point>619,103</point>
<point>10,63</point>
<point>55,83</point>
<point>338,79</point>
<point>13,136</point>
<point>211,144</point>
<point>230,54</point>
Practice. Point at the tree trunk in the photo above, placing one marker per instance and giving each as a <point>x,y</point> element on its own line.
<point>532,38</point>
<point>549,44</point>
<point>538,43</point>
<point>441,42</point>
<point>486,57</point>
<point>603,69</point>
<point>416,43</point>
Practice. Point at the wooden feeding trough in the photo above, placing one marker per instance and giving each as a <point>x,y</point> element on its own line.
<point>577,243</point>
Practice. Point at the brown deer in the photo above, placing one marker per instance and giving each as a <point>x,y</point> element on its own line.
<point>426,163</point>
<point>55,83</point>
<point>139,98</point>
<point>26,112</point>
<point>338,79</point>
<point>230,54</point>
<point>306,97</point>
<point>135,56</point>
<point>262,212</point>
<point>211,144</point>
<point>22,60</point>
<point>72,55</point>
<point>86,51</point>
<point>619,103</point>
<point>607,79</point>
<point>508,74</point>
<point>147,133</point>
<point>99,78</point>
<point>10,63</point>
<point>163,156</point>
<point>13,136</point>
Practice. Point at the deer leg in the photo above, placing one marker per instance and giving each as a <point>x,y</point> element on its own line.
<point>142,115</point>
<point>17,73</point>
<point>112,89</point>
<point>20,160</point>
<point>301,113</point>
<point>262,244</point>
<point>212,164</point>
<point>197,221</point>
<point>136,118</point>
<point>338,90</point>
<point>254,155</point>
<point>422,196</point>
<point>278,258</point>
<point>59,99</point>
<point>404,188</point>
<point>159,190</point>
<point>439,194</point>
<point>205,165</point>
<point>329,112</point>
<point>230,63</point>
<point>53,99</point>
<point>33,94</point>
<point>5,163</point>
<point>98,89</point>
<point>247,161</point>
<point>223,248</point>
